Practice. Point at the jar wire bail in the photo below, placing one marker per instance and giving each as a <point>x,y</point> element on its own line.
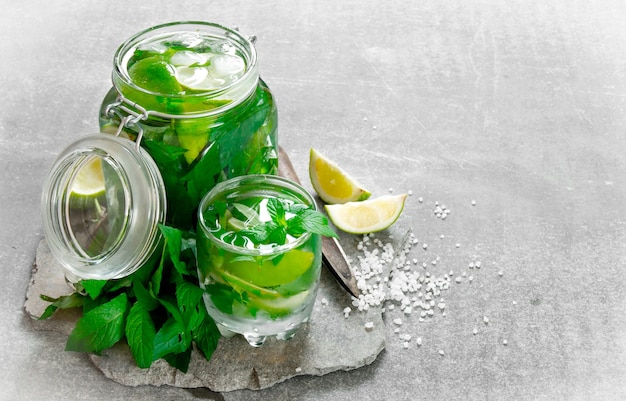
<point>131,119</point>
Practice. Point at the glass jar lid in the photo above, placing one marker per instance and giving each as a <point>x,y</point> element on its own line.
<point>101,206</point>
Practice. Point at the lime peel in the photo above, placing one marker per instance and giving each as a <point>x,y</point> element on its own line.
<point>333,184</point>
<point>367,216</point>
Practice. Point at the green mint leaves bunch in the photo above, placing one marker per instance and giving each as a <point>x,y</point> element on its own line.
<point>158,310</point>
<point>286,219</point>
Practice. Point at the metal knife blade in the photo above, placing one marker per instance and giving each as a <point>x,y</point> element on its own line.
<point>332,254</point>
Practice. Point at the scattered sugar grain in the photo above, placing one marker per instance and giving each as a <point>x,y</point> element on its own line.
<point>505,342</point>
<point>475,331</point>
<point>298,369</point>
<point>418,341</point>
<point>420,199</point>
<point>442,352</point>
<point>458,245</point>
<point>473,203</point>
<point>486,319</point>
<point>397,321</point>
<point>369,326</point>
<point>410,192</point>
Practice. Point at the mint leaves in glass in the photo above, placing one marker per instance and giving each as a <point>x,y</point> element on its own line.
<point>259,256</point>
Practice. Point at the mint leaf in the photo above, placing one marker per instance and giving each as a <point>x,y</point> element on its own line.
<point>173,238</point>
<point>99,328</point>
<point>189,299</point>
<point>140,333</point>
<point>157,276</point>
<point>144,296</point>
<point>278,235</point>
<point>206,335</point>
<point>309,220</point>
<point>180,361</point>
<point>93,287</point>
<point>170,339</point>
<point>73,300</point>
<point>276,210</point>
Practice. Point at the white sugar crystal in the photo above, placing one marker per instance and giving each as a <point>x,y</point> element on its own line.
<point>369,326</point>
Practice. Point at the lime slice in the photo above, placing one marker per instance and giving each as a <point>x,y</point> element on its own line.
<point>331,183</point>
<point>198,78</point>
<point>267,274</point>
<point>367,216</point>
<point>155,75</point>
<point>193,136</point>
<point>282,305</point>
<point>89,181</point>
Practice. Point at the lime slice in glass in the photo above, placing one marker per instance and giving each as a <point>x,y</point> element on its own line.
<point>267,274</point>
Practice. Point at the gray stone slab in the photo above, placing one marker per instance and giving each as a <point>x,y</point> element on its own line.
<point>329,342</point>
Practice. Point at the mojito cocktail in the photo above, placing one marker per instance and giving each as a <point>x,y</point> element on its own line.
<point>258,261</point>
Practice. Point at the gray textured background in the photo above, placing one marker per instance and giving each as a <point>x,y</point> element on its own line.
<point>519,105</point>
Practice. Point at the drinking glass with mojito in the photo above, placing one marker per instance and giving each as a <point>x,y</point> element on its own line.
<point>259,256</point>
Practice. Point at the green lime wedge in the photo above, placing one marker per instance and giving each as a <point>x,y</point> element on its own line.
<point>155,75</point>
<point>281,306</point>
<point>267,274</point>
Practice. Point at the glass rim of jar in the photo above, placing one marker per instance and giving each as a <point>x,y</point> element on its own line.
<point>144,208</point>
<point>239,183</point>
<point>245,45</point>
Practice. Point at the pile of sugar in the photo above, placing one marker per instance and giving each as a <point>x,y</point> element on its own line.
<point>393,280</point>
<point>383,274</point>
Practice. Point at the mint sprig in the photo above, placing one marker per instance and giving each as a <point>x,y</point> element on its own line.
<point>292,219</point>
<point>158,309</point>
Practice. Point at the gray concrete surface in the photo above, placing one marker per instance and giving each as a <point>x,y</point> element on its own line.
<point>518,105</point>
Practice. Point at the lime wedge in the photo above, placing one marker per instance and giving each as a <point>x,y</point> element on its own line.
<point>155,75</point>
<point>367,216</point>
<point>89,181</point>
<point>282,305</point>
<point>331,183</point>
<point>267,274</point>
<point>193,136</point>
